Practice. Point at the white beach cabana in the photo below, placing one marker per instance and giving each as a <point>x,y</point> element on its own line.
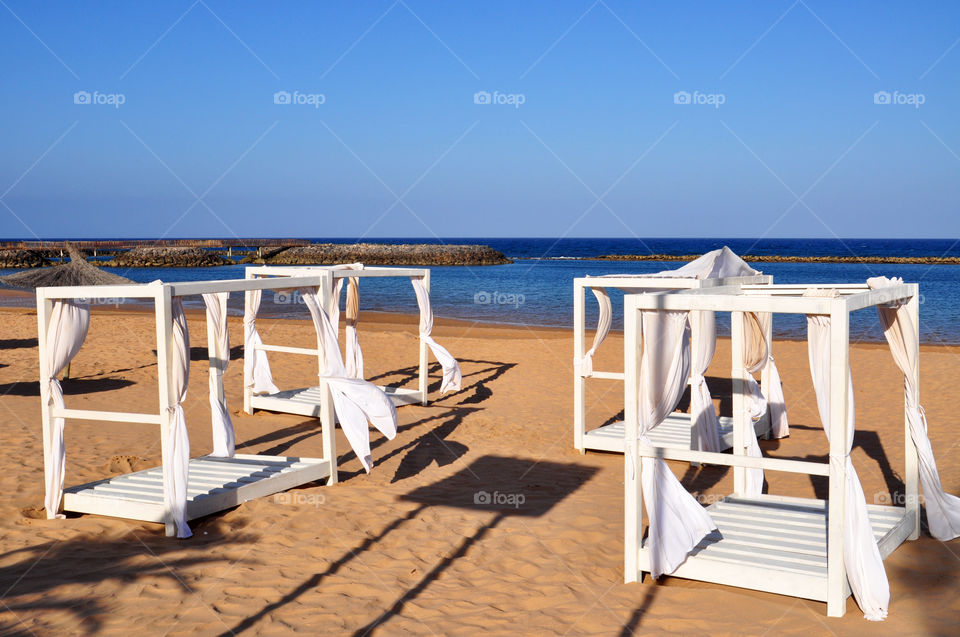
<point>701,428</point>
<point>259,390</point>
<point>185,488</point>
<point>814,549</point>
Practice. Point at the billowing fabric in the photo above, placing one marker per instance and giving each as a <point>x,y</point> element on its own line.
<point>703,415</point>
<point>861,557</point>
<point>355,400</point>
<point>176,457</point>
<point>69,322</point>
<point>943,509</point>
<point>451,369</point>
<point>715,264</point>
<point>585,364</point>
<point>754,351</point>
<point>677,521</point>
<point>256,367</point>
<point>219,354</point>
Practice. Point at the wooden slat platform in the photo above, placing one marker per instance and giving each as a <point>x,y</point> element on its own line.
<point>674,432</point>
<point>215,484</point>
<point>305,401</point>
<point>777,544</point>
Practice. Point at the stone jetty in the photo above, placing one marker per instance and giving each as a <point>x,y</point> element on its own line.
<point>167,257</point>
<point>382,254</point>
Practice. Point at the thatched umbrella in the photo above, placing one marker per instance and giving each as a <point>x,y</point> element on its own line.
<point>77,272</point>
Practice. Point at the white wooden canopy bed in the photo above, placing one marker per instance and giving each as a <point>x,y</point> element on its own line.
<point>808,548</point>
<point>701,428</point>
<point>259,390</point>
<point>185,488</point>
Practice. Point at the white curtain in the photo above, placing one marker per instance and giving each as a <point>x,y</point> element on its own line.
<point>219,354</point>
<point>753,345</point>
<point>585,364</point>
<point>256,368</point>
<point>943,509</point>
<point>69,322</point>
<point>354,355</point>
<point>779,426</point>
<point>451,369</point>
<point>868,580</point>
<point>677,521</point>
<point>355,400</point>
<point>702,413</point>
<point>176,460</point>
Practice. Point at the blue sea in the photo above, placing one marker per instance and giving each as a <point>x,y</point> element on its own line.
<point>536,289</point>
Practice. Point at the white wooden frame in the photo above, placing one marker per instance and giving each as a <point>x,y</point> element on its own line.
<point>679,430</point>
<point>215,484</point>
<point>754,567</point>
<point>312,401</point>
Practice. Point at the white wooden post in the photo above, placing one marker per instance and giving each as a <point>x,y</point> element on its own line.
<point>839,375</point>
<point>328,421</point>
<point>912,469</point>
<point>741,419</point>
<point>579,382</point>
<point>424,361</point>
<point>633,499</point>
<point>164,318</point>
<point>44,311</point>
<point>693,318</point>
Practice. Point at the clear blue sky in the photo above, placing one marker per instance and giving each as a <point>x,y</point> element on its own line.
<point>798,147</point>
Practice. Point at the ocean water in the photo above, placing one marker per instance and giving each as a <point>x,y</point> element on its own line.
<point>536,289</point>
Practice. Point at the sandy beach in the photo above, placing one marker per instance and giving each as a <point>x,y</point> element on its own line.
<point>405,549</point>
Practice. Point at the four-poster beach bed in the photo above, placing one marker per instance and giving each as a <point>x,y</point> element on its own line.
<point>701,428</point>
<point>185,488</point>
<point>260,391</point>
<point>809,548</point>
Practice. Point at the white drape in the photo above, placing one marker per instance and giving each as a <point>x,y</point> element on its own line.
<point>677,521</point>
<point>219,354</point>
<point>753,346</point>
<point>176,459</point>
<point>69,322</point>
<point>585,364</point>
<point>451,369</point>
<point>354,355</point>
<point>256,367</point>
<point>702,413</point>
<point>779,426</point>
<point>868,580</point>
<point>943,509</point>
<point>355,400</point>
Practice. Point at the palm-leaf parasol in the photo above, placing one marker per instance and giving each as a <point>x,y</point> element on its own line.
<point>77,272</point>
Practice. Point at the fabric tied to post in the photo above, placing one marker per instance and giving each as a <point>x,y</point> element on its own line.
<point>451,369</point>
<point>69,322</point>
